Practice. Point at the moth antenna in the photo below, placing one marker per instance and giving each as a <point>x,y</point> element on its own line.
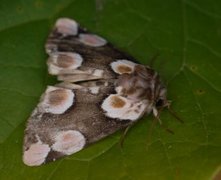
<point>155,120</point>
<point>163,126</point>
<point>153,58</point>
<point>156,116</point>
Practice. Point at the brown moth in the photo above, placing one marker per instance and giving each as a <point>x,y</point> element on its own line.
<point>102,90</point>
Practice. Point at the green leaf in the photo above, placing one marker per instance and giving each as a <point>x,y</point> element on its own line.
<point>186,34</point>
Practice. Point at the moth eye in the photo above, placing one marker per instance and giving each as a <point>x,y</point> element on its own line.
<point>92,40</point>
<point>123,66</point>
<point>66,26</point>
<point>159,103</point>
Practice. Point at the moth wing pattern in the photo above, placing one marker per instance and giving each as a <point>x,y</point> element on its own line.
<point>71,116</point>
<point>64,122</point>
<point>75,53</point>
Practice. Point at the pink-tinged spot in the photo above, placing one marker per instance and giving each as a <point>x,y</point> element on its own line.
<point>123,66</point>
<point>116,106</point>
<point>68,142</point>
<point>57,100</point>
<point>66,26</point>
<point>92,40</point>
<point>58,62</point>
<point>36,154</point>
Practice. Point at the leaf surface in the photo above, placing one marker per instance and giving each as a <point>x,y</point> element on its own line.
<point>187,36</point>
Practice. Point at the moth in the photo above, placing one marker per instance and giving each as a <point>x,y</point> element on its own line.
<point>101,90</point>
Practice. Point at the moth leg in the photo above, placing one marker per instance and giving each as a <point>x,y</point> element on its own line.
<point>173,113</point>
<point>121,141</point>
<point>156,116</point>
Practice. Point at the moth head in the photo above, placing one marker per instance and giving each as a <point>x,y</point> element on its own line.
<point>161,98</point>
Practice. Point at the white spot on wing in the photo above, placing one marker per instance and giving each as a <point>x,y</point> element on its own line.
<point>98,72</point>
<point>58,62</point>
<point>123,66</point>
<point>117,106</point>
<point>106,83</point>
<point>68,142</point>
<point>136,111</point>
<point>119,89</point>
<point>56,100</point>
<point>92,40</point>
<point>36,154</point>
<point>115,112</point>
<point>94,90</point>
<point>66,26</point>
<point>50,47</point>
